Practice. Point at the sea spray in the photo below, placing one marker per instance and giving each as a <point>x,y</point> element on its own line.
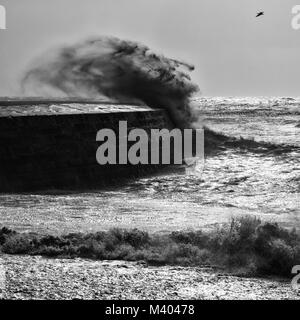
<point>119,70</point>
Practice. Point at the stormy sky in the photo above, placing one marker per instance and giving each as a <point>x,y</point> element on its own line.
<point>235,54</point>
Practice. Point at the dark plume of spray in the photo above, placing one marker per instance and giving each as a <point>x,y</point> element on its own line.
<point>117,70</point>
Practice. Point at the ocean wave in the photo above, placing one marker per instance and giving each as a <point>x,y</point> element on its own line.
<point>107,67</point>
<point>215,142</point>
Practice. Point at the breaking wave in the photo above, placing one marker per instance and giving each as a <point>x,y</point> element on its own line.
<point>215,142</point>
<point>111,68</point>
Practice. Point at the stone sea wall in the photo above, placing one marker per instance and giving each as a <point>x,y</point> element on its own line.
<point>53,146</point>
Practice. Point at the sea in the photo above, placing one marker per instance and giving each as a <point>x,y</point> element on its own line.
<point>255,172</point>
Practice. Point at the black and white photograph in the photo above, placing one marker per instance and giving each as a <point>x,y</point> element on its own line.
<point>149,151</point>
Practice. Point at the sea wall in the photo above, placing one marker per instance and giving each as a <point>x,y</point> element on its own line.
<point>48,145</point>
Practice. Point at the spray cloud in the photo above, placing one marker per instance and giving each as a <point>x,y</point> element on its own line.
<point>110,68</point>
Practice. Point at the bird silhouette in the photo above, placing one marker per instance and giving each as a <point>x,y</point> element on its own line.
<point>260,14</point>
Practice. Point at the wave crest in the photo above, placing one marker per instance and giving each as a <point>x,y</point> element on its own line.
<point>116,69</point>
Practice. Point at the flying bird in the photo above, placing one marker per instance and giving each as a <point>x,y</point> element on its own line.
<point>260,14</point>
